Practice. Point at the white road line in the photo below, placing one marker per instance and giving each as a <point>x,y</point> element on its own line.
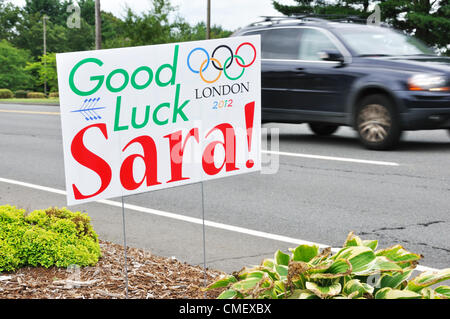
<point>29,112</point>
<point>332,158</point>
<point>188,219</point>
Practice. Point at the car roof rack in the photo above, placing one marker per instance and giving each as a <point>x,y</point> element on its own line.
<point>302,17</point>
<point>310,17</point>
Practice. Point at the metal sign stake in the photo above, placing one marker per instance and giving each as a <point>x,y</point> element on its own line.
<point>204,237</point>
<point>125,248</point>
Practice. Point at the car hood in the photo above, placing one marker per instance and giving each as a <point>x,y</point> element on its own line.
<point>434,64</point>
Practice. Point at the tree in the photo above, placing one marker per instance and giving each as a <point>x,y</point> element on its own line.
<point>45,69</point>
<point>152,27</point>
<point>23,27</point>
<point>344,8</point>
<point>9,16</point>
<point>13,61</point>
<point>60,37</point>
<point>113,32</point>
<point>183,31</point>
<point>429,20</point>
<point>51,8</point>
<point>30,33</point>
<point>81,39</point>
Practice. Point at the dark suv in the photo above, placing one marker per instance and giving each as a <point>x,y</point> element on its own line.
<point>372,78</point>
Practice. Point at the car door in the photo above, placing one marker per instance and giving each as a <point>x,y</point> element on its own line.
<point>279,46</point>
<point>321,85</point>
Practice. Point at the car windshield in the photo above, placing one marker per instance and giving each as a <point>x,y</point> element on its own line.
<point>377,41</point>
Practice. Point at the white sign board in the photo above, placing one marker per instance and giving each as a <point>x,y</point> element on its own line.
<point>152,117</point>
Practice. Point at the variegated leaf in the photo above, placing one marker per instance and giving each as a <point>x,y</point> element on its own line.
<point>324,291</point>
<point>282,270</point>
<point>282,258</point>
<point>443,290</point>
<point>251,272</point>
<point>339,268</point>
<point>360,257</point>
<point>352,240</point>
<point>372,244</point>
<point>355,289</point>
<point>428,278</point>
<point>394,280</point>
<point>398,254</point>
<point>389,293</point>
<point>223,282</point>
<point>279,288</point>
<point>302,294</point>
<point>304,253</point>
<point>246,284</point>
<point>269,263</point>
<point>272,272</point>
<point>227,294</point>
<point>380,265</point>
<point>321,267</point>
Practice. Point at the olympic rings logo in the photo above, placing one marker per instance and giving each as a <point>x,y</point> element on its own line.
<point>217,65</point>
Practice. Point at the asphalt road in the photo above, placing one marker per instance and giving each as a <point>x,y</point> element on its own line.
<point>311,199</point>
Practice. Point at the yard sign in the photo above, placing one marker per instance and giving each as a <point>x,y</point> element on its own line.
<point>152,117</point>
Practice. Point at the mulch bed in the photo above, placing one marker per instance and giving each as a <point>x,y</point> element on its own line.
<point>150,277</point>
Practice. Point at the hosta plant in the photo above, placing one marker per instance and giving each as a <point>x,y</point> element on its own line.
<point>357,271</point>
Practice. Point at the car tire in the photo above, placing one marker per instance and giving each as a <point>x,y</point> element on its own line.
<point>377,123</point>
<point>323,129</point>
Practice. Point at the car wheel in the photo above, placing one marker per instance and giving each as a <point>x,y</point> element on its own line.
<point>323,129</point>
<point>377,123</point>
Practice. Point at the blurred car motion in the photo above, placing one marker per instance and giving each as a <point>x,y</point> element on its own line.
<point>330,74</point>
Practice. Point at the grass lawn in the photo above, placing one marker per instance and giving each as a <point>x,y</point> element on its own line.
<point>53,101</point>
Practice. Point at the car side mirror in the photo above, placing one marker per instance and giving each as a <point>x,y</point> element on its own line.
<point>331,55</point>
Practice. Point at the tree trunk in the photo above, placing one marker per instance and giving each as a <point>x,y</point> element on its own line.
<point>98,26</point>
<point>208,19</point>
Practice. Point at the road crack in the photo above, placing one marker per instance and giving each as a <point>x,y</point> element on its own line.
<point>426,224</point>
<point>376,232</point>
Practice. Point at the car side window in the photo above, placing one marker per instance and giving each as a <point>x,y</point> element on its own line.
<point>313,42</point>
<point>282,43</point>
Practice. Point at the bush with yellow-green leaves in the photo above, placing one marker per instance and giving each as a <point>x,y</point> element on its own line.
<point>36,95</point>
<point>51,237</point>
<point>6,94</point>
<point>357,271</point>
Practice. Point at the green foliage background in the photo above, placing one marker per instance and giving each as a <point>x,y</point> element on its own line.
<point>21,31</point>
<point>51,237</point>
<point>21,47</point>
<point>12,67</point>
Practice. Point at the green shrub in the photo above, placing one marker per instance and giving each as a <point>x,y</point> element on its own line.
<point>357,271</point>
<point>36,95</point>
<point>21,94</point>
<point>51,237</point>
<point>6,94</point>
<point>53,95</point>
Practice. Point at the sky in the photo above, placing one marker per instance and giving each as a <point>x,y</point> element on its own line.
<point>230,14</point>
